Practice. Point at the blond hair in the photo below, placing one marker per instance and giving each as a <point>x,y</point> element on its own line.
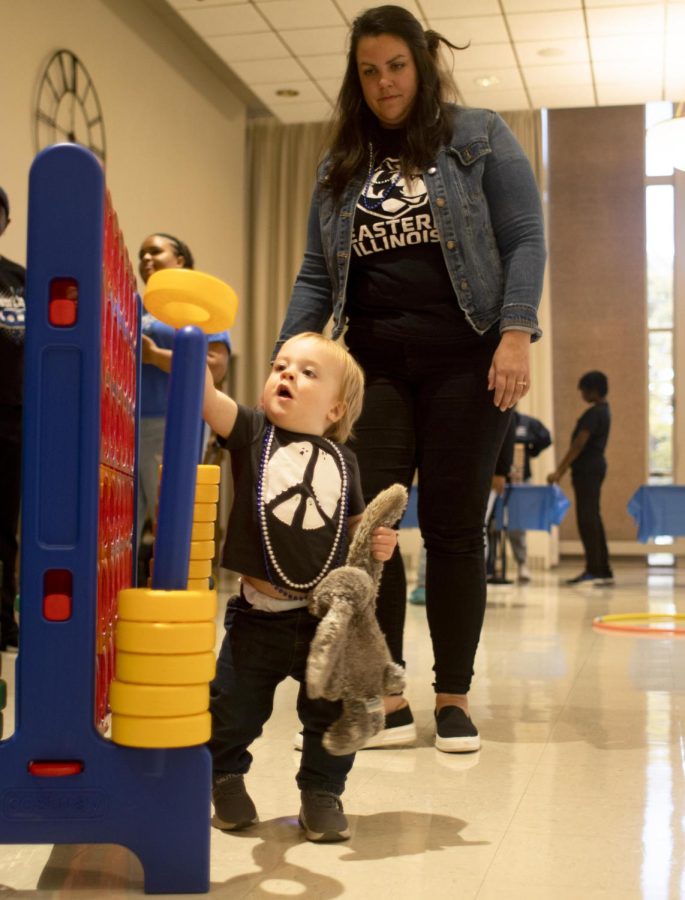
<point>351,385</point>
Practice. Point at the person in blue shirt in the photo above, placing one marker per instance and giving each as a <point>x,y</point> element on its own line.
<point>163,251</point>
<point>585,457</point>
<point>425,246</point>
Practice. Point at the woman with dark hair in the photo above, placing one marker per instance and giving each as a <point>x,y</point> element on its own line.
<point>585,457</point>
<point>163,251</point>
<point>425,240</point>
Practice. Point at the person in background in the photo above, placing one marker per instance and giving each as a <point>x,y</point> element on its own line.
<point>585,457</point>
<point>163,251</point>
<point>297,497</point>
<point>530,439</point>
<point>12,330</point>
<point>503,466</point>
<point>426,243</point>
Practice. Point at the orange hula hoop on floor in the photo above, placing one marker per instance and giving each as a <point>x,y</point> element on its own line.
<point>620,622</point>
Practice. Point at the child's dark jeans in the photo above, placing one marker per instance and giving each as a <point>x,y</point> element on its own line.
<point>260,649</point>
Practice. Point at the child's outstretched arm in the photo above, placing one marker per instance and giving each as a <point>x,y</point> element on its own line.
<point>218,410</point>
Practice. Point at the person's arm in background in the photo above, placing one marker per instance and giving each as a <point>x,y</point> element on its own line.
<point>217,360</point>
<point>153,355</point>
<point>577,446</point>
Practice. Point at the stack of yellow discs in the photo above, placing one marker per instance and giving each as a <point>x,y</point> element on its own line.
<point>202,537</point>
<point>165,661</point>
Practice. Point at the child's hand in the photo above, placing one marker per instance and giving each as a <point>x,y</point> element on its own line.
<point>383,543</point>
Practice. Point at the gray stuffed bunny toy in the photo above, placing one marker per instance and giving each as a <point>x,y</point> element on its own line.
<point>348,657</point>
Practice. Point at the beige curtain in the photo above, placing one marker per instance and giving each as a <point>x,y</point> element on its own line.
<point>281,170</point>
<point>527,126</point>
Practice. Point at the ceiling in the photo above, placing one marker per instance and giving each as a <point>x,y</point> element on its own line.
<point>522,54</point>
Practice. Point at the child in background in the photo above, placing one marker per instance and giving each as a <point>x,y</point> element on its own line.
<point>297,496</point>
<point>585,457</point>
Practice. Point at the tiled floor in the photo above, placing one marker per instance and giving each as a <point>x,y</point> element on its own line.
<point>578,791</point>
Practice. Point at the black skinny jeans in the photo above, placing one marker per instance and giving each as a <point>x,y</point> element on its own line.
<point>259,651</point>
<point>587,487</point>
<point>427,409</point>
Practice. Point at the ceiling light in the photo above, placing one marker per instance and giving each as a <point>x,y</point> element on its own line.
<point>287,92</point>
<point>670,136</point>
<point>486,81</point>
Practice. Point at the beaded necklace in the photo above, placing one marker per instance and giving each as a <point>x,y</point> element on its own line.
<point>271,564</point>
<point>374,204</point>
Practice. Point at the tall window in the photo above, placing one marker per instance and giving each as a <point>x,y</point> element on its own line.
<point>659,202</point>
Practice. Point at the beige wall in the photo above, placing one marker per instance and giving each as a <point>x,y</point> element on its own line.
<point>597,281</point>
<point>175,132</point>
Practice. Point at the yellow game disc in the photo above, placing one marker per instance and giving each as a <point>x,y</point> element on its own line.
<point>199,568</point>
<point>202,531</point>
<point>208,474</point>
<point>147,605</point>
<point>158,700</point>
<point>204,474</point>
<point>202,549</point>
<point>177,731</point>
<point>179,668</point>
<point>204,512</point>
<point>207,493</point>
<point>197,584</point>
<point>181,297</point>
<point>164,637</point>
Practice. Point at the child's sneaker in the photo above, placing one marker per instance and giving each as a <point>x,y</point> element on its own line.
<point>233,806</point>
<point>322,817</point>
<point>418,596</point>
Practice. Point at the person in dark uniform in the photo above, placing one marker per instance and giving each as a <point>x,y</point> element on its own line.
<point>585,457</point>
<point>12,321</point>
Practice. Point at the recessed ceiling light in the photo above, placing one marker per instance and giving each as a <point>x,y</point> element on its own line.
<point>486,81</point>
<point>551,51</point>
<point>287,92</point>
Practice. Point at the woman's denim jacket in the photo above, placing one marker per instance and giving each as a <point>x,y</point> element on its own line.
<point>486,207</point>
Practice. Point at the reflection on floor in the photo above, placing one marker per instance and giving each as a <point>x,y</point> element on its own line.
<point>578,791</point>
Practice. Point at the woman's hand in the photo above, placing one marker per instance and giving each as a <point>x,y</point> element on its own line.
<point>509,375</point>
<point>383,543</point>
<point>153,355</point>
<point>149,349</point>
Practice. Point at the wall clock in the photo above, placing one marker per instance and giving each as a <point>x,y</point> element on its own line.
<point>68,108</point>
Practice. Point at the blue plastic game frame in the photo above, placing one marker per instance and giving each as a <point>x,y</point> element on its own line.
<point>154,802</point>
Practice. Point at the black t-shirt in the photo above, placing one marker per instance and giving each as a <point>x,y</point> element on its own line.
<point>303,501</point>
<point>12,330</point>
<point>596,420</point>
<point>398,284</point>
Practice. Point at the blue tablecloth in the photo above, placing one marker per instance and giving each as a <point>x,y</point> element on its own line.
<point>658,510</point>
<point>530,507</point>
